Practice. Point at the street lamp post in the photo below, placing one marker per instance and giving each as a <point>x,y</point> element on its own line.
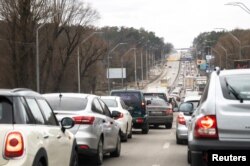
<point>122,62</point>
<point>235,38</point>
<point>241,5</point>
<point>224,49</point>
<point>78,60</point>
<point>108,63</point>
<point>37,54</point>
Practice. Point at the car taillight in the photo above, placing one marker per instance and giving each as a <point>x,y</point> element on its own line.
<point>121,116</point>
<point>84,119</point>
<point>143,105</point>
<point>206,127</point>
<point>14,146</point>
<point>181,119</point>
<point>139,120</point>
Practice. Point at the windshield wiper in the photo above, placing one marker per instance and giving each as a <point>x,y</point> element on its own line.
<point>233,91</point>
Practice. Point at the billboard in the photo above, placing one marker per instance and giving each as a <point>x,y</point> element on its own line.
<point>116,73</point>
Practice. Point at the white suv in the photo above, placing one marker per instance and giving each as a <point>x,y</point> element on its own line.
<point>219,130</point>
<point>30,134</point>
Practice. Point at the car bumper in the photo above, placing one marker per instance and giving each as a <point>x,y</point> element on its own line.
<point>182,132</point>
<point>160,119</point>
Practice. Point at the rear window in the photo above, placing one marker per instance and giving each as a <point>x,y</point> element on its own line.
<point>161,95</point>
<point>238,83</point>
<point>129,98</point>
<point>67,103</point>
<point>6,113</point>
<point>158,103</point>
<point>110,102</point>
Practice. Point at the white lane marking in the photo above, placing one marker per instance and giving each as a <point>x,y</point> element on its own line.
<point>166,145</point>
<point>156,165</point>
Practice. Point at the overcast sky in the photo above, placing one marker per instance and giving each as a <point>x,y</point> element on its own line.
<point>177,21</point>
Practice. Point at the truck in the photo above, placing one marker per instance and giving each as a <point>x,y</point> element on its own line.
<point>189,82</point>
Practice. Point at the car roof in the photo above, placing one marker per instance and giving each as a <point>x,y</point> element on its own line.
<point>110,97</point>
<point>77,95</point>
<point>19,92</point>
<point>234,72</point>
<point>192,98</point>
<point>126,90</point>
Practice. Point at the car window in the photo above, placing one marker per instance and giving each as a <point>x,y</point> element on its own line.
<point>130,98</point>
<point>105,109</point>
<point>110,102</point>
<point>34,108</point>
<point>158,103</point>
<point>67,103</point>
<point>239,83</point>
<point>124,106</point>
<point>6,113</point>
<point>21,114</point>
<point>205,93</point>
<point>160,95</point>
<point>96,107</point>
<point>48,114</point>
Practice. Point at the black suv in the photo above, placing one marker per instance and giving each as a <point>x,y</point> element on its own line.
<point>135,100</point>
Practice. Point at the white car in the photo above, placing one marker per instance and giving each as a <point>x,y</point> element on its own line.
<point>125,119</point>
<point>95,130</point>
<point>30,134</point>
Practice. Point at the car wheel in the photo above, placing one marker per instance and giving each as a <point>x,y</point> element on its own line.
<point>117,151</point>
<point>130,132</point>
<point>188,157</point>
<point>124,137</point>
<point>99,155</point>
<point>145,129</point>
<point>40,163</point>
<point>168,125</point>
<point>74,158</point>
<point>156,126</point>
<point>196,160</point>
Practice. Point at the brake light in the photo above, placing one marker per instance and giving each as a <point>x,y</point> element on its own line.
<point>139,120</point>
<point>181,119</point>
<point>206,127</point>
<point>84,147</point>
<point>14,146</point>
<point>84,119</point>
<point>143,105</point>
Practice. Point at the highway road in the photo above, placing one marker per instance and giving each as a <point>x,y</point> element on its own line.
<point>158,147</point>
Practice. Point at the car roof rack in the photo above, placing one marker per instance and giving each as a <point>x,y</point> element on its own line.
<point>217,69</point>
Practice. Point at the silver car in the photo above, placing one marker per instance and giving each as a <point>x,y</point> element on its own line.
<point>219,127</point>
<point>159,112</point>
<point>183,118</point>
<point>95,130</point>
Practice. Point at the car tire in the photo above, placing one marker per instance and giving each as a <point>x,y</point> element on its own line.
<point>196,160</point>
<point>145,129</point>
<point>117,151</point>
<point>40,163</point>
<point>188,156</point>
<point>99,154</point>
<point>156,126</point>
<point>74,158</point>
<point>130,132</point>
<point>168,125</point>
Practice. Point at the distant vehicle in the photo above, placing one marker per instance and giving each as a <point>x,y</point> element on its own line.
<point>30,134</point>
<point>95,129</point>
<point>124,119</point>
<point>183,118</point>
<point>221,122</point>
<point>189,82</point>
<point>136,101</point>
<point>159,112</point>
<point>165,81</point>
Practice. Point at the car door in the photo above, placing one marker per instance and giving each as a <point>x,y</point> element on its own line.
<point>59,141</point>
<point>111,127</point>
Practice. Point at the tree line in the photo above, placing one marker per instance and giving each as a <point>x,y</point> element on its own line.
<point>56,32</point>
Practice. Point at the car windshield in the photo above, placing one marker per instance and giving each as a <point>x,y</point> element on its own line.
<point>236,85</point>
<point>67,103</point>
<point>110,102</point>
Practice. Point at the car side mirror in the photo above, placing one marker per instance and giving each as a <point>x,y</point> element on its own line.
<point>149,102</point>
<point>67,123</point>
<point>115,114</point>
<point>186,107</point>
<point>176,109</point>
